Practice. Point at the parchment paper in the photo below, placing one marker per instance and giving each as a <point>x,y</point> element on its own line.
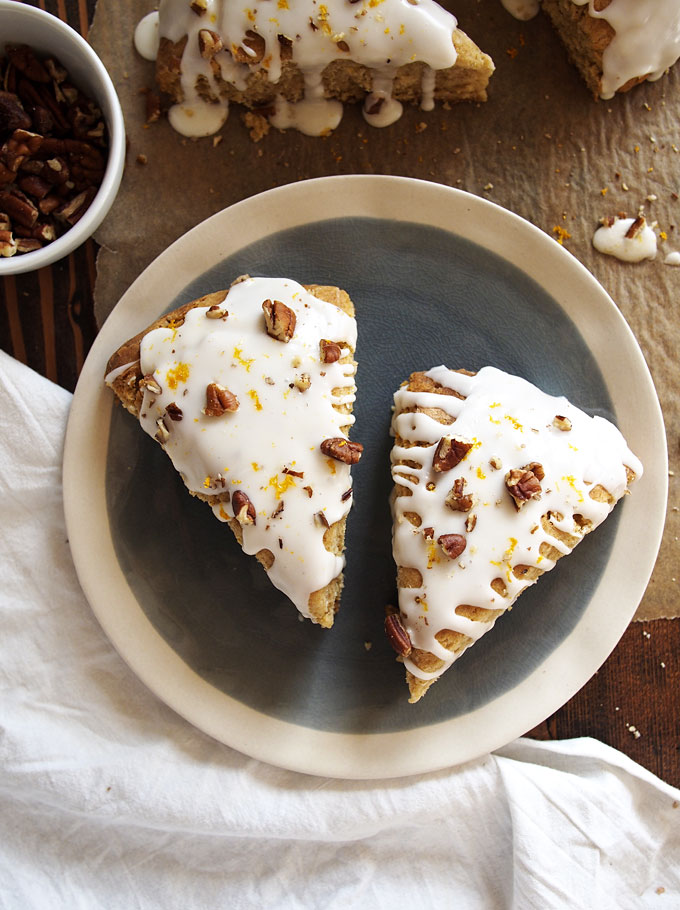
<point>541,147</point>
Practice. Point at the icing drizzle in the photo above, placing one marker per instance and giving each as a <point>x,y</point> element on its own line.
<point>379,34</point>
<point>646,40</point>
<point>269,447</point>
<point>509,424</point>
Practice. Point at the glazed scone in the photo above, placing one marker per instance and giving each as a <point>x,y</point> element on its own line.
<point>298,62</point>
<point>494,482</point>
<point>250,392</point>
<point>615,44</point>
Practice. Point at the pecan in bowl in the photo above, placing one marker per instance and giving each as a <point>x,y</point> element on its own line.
<point>62,139</point>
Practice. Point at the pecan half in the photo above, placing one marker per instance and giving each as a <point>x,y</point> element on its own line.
<point>279,319</point>
<point>342,449</point>
<point>330,351</point>
<point>397,635</point>
<point>244,510</point>
<point>457,499</point>
<point>452,544</point>
<point>524,484</point>
<point>219,401</point>
<point>449,453</point>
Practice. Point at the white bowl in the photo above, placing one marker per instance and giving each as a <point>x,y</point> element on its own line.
<point>46,34</point>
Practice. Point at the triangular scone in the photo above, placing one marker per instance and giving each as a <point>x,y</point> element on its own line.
<point>494,482</point>
<point>297,67</point>
<point>614,44</point>
<point>250,392</point>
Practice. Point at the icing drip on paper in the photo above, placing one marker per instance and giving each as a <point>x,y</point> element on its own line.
<point>628,239</point>
<point>269,447</point>
<point>380,35</point>
<point>509,424</point>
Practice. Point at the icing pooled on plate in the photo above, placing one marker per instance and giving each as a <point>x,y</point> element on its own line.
<point>486,479</point>
<point>228,42</point>
<point>250,398</point>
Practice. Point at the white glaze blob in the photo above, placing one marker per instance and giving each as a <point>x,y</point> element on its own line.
<point>379,34</point>
<point>672,258</point>
<point>510,422</point>
<point>276,426</point>
<point>611,240</point>
<point>646,43</point>
<point>146,36</point>
<point>522,9</point>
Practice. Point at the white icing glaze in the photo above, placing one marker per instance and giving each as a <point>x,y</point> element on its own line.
<point>146,36</point>
<point>276,426</point>
<point>672,258</point>
<point>509,421</point>
<point>611,239</point>
<point>379,34</point>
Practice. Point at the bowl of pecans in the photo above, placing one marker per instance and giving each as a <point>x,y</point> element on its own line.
<point>62,139</point>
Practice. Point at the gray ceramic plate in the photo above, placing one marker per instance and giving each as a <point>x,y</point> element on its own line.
<point>437,276</point>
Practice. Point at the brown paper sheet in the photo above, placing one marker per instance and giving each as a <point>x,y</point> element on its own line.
<point>540,146</point>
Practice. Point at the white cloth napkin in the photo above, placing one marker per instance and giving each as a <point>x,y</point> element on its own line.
<point>110,800</point>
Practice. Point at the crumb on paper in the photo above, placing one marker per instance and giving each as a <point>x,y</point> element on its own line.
<point>368,645</point>
<point>561,234</point>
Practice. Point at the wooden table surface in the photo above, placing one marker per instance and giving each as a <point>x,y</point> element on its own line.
<point>632,702</point>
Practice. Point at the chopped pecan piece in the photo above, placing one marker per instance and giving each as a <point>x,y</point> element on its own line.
<point>457,499</point>
<point>244,510</point>
<point>199,6</point>
<point>562,423</point>
<point>162,433</point>
<point>397,635</point>
<point>330,351</point>
<point>452,544</point>
<point>216,312</point>
<point>174,412</point>
<point>12,113</point>
<point>19,207</point>
<point>209,43</point>
<point>302,382</point>
<point>449,452</point>
<point>149,382</point>
<point>342,449</point>
<point>279,319</point>
<point>219,401</point>
<point>321,520</point>
<point>8,245</point>
<point>635,227</point>
<point>524,483</point>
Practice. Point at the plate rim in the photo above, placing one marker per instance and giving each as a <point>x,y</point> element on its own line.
<point>283,743</point>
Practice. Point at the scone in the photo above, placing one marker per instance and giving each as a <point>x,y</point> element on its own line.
<point>250,392</point>
<point>615,44</point>
<point>494,482</point>
<point>296,62</point>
